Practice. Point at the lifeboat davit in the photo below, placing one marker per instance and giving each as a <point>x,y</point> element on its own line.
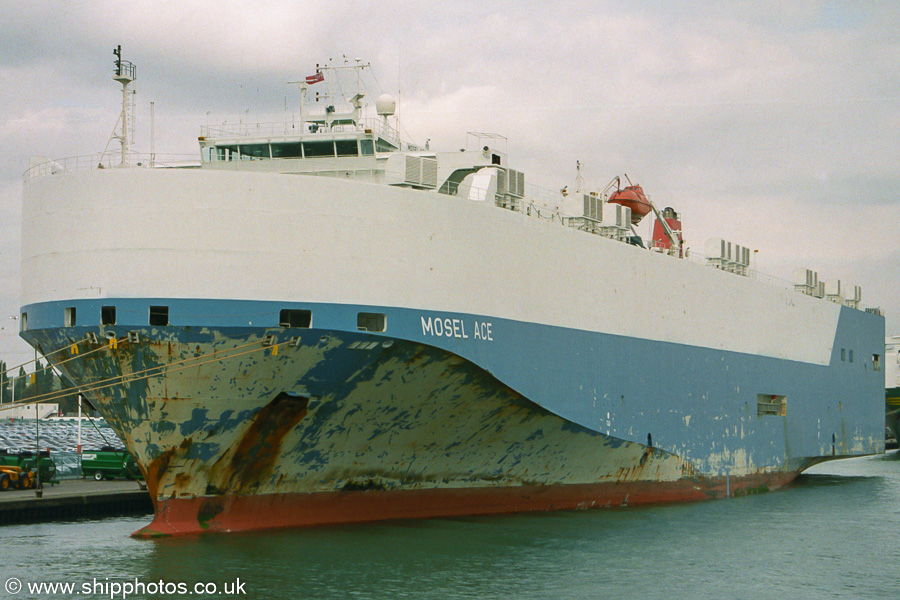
<point>661,239</point>
<point>633,197</point>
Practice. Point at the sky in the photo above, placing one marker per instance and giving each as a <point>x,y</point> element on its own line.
<point>771,124</point>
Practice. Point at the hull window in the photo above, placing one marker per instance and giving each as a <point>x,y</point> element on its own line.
<point>108,315</point>
<point>295,318</point>
<point>159,315</point>
<point>371,322</point>
<point>771,405</point>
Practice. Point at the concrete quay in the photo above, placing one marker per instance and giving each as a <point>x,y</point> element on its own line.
<point>73,498</point>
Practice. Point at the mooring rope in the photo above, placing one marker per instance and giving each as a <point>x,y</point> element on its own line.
<point>144,374</point>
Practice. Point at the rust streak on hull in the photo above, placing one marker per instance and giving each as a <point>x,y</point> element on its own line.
<point>255,454</point>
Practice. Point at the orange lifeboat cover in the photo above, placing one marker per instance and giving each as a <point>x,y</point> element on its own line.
<point>633,197</point>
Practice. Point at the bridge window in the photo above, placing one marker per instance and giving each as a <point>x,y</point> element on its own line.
<point>366,147</point>
<point>254,151</point>
<point>287,150</point>
<point>226,153</point>
<point>346,148</point>
<point>317,149</point>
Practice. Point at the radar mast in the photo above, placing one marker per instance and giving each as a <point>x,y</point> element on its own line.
<point>125,73</point>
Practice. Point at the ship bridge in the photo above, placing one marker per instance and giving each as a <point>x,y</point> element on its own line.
<point>325,142</point>
<point>315,138</point>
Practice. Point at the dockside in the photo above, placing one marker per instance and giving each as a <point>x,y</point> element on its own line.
<point>73,499</point>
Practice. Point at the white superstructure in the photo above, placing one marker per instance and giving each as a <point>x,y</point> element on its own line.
<point>441,242</point>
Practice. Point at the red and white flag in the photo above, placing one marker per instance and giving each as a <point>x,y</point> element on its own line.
<point>311,79</point>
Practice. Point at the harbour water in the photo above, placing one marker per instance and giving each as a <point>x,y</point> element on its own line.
<point>834,533</point>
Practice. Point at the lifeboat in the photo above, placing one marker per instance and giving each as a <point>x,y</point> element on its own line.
<point>633,197</point>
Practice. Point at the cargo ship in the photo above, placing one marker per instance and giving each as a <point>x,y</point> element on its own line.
<point>318,323</point>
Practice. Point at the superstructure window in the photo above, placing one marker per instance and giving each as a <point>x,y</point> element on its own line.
<point>24,322</point>
<point>317,149</point>
<point>290,317</point>
<point>287,150</point>
<point>159,315</point>
<point>366,147</point>
<point>371,322</point>
<point>226,153</point>
<point>69,316</point>
<point>108,315</point>
<point>876,362</point>
<point>385,146</point>
<point>254,150</point>
<point>346,148</point>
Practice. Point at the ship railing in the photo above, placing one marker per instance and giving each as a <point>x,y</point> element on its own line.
<point>538,202</point>
<point>366,174</point>
<point>45,167</point>
<point>317,167</point>
<point>293,128</point>
<point>767,278</point>
<point>584,224</point>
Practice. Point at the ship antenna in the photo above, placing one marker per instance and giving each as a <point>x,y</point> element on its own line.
<point>579,180</point>
<point>124,74</point>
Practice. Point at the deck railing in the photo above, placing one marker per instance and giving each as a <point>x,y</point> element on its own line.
<point>108,160</point>
<point>292,127</point>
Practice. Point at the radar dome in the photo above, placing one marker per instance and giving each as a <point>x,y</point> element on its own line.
<point>385,105</point>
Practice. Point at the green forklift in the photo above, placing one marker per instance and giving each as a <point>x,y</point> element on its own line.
<point>26,461</point>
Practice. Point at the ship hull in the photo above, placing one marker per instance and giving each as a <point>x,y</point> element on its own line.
<point>223,514</point>
<point>318,426</point>
<point>248,428</point>
<point>488,381</point>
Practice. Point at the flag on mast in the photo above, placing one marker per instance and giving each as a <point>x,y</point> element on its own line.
<point>311,79</point>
